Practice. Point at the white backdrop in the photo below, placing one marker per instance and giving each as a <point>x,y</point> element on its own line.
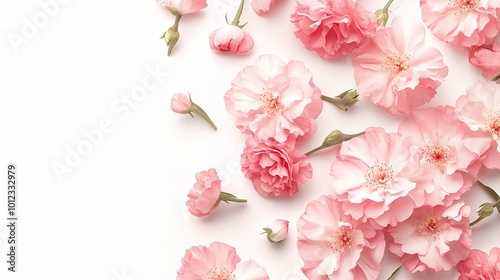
<point>78,68</point>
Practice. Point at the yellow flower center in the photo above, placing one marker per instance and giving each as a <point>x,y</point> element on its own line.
<point>218,274</point>
<point>396,64</point>
<point>379,176</point>
<point>436,154</point>
<point>271,102</point>
<point>463,6</point>
<point>342,240</point>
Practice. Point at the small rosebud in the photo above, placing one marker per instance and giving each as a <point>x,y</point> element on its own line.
<point>181,104</point>
<point>277,231</point>
<point>383,16</point>
<point>485,210</point>
<point>334,138</point>
<point>171,37</point>
<point>344,100</point>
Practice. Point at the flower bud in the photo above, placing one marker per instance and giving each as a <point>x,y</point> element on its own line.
<point>277,231</point>
<point>181,104</point>
<point>335,137</point>
<point>171,37</point>
<point>383,16</point>
<point>485,210</point>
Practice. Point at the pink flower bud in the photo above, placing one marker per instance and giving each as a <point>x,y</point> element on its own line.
<point>230,38</point>
<point>181,104</point>
<point>277,231</point>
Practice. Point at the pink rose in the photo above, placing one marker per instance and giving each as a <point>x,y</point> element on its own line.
<point>274,168</point>
<point>333,28</point>
<point>486,58</point>
<point>277,231</point>
<point>181,104</point>
<point>272,99</point>
<point>183,7</point>
<point>205,193</point>
<point>261,6</point>
<point>479,265</point>
<point>230,38</point>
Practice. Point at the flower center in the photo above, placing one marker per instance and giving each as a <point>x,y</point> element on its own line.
<point>430,226</point>
<point>379,176</point>
<point>493,123</point>
<point>463,6</point>
<point>218,274</point>
<point>436,154</point>
<point>271,102</point>
<point>397,64</point>
<point>342,239</point>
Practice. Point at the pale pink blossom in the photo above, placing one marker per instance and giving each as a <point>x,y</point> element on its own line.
<point>273,99</point>
<point>375,176</point>
<point>486,58</point>
<point>333,245</point>
<point>463,23</point>
<point>333,28</point>
<point>480,110</point>
<point>218,261</point>
<point>396,70</point>
<point>180,104</point>
<point>277,231</point>
<point>274,168</point>
<point>440,143</point>
<point>183,7</point>
<point>230,38</point>
<point>261,7</point>
<point>480,266</point>
<point>433,238</point>
<point>205,193</point>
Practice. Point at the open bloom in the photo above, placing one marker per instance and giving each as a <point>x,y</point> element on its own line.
<point>274,168</point>
<point>480,110</point>
<point>486,58</point>
<point>333,28</point>
<point>277,231</point>
<point>218,261</point>
<point>396,71</point>
<point>230,38</point>
<point>183,7</point>
<point>272,99</point>
<point>479,265</point>
<point>375,176</point>
<point>336,246</point>
<point>261,6</point>
<point>433,238</point>
<point>463,23</point>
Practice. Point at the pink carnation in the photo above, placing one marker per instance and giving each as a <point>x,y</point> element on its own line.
<point>396,71</point>
<point>230,38</point>
<point>480,266</point>
<point>333,28</point>
<point>336,246</point>
<point>218,261</point>
<point>274,168</point>
<point>433,238</point>
<point>183,7</point>
<point>272,99</point>
<point>486,58</point>
<point>375,176</point>
<point>462,23</point>
<point>261,6</point>
<point>205,193</point>
<point>440,141</point>
<point>480,110</point>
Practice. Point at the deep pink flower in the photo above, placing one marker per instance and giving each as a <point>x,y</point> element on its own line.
<point>218,261</point>
<point>205,193</point>
<point>486,58</point>
<point>183,7</point>
<point>396,71</point>
<point>463,23</point>
<point>480,266</point>
<point>230,38</point>
<point>261,6</point>
<point>433,238</point>
<point>180,104</point>
<point>333,28</point>
<point>480,110</point>
<point>336,246</point>
<point>440,142</point>
<point>272,99</point>
<point>274,168</point>
<point>375,176</point>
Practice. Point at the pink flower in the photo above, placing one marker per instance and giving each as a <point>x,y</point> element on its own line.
<point>218,261</point>
<point>274,168</point>
<point>480,110</point>
<point>277,231</point>
<point>433,238</point>
<point>272,99</point>
<point>230,38</point>
<point>462,23</point>
<point>336,246</point>
<point>486,58</point>
<point>375,176</point>
<point>183,7</point>
<point>480,266</point>
<point>396,71</point>
<point>440,142</point>
<point>205,193</point>
<point>333,28</point>
<point>181,104</point>
<point>261,6</point>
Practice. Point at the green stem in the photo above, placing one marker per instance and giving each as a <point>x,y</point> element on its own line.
<point>198,110</point>
<point>496,78</point>
<point>236,20</point>
<point>491,192</point>
<point>386,7</point>
<point>476,221</point>
<point>226,197</point>
<point>393,275</point>
<point>316,149</point>
<point>176,22</point>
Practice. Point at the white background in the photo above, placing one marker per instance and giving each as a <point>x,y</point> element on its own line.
<point>119,214</point>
